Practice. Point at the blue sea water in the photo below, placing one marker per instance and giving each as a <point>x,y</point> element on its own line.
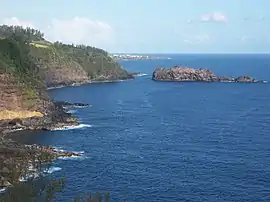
<point>163,141</point>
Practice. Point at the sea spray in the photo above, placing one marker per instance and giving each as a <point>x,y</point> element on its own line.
<point>80,126</point>
<point>142,74</point>
<point>52,169</point>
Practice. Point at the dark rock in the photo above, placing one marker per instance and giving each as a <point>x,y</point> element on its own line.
<point>245,79</point>
<point>182,74</point>
<point>4,182</point>
<point>4,170</point>
<point>68,104</point>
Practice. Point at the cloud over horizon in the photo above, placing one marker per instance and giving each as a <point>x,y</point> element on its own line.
<point>214,17</point>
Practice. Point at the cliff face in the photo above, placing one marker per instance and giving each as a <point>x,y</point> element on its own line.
<point>56,68</point>
<point>29,65</point>
<point>10,95</point>
<point>182,74</point>
<point>20,90</point>
<point>23,96</point>
<point>63,65</point>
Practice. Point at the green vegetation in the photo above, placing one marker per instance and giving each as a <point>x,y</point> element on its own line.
<point>27,34</point>
<point>15,60</point>
<point>36,63</point>
<point>96,62</point>
<point>45,191</point>
<point>39,55</point>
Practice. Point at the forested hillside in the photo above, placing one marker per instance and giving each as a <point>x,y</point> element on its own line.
<point>29,64</point>
<point>63,64</point>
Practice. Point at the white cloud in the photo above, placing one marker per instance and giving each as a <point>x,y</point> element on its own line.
<point>214,17</point>
<point>17,22</point>
<point>77,30</point>
<point>199,39</point>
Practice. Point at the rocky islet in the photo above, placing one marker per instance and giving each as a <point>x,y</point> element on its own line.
<point>184,74</point>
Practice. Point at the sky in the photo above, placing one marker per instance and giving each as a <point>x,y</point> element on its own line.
<point>149,26</point>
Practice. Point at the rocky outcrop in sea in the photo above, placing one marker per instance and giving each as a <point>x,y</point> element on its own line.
<point>184,74</point>
<point>20,162</point>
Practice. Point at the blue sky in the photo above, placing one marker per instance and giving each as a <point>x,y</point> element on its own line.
<point>149,26</point>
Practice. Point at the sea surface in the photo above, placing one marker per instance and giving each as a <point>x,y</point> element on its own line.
<point>148,141</point>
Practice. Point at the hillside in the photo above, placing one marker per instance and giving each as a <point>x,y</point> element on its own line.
<point>62,64</point>
<point>29,64</point>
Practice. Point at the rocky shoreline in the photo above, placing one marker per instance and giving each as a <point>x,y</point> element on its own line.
<point>21,162</point>
<point>17,159</point>
<point>184,74</point>
<point>101,79</point>
<point>58,118</point>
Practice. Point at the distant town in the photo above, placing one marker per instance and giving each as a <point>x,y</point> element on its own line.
<point>137,57</point>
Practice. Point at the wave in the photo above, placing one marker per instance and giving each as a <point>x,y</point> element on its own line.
<point>52,169</point>
<point>141,74</point>
<point>80,107</point>
<point>35,173</point>
<point>72,111</point>
<point>73,157</point>
<point>80,126</point>
<point>60,149</point>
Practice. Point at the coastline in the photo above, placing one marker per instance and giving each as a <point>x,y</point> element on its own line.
<point>94,81</point>
<point>61,120</point>
<point>18,159</point>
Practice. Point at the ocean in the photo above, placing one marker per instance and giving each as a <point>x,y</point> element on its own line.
<point>147,141</point>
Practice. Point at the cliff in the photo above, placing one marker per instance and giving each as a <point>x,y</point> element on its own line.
<point>61,64</point>
<point>29,64</point>
<point>24,102</point>
<point>182,74</point>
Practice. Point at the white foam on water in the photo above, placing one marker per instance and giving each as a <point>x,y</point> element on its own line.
<point>59,149</point>
<point>142,74</point>
<point>80,107</point>
<point>80,126</point>
<point>72,111</point>
<point>29,176</point>
<point>73,157</point>
<point>3,190</point>
<point>52,170</point>
<point>78,152</point>
<point>265,81</point>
